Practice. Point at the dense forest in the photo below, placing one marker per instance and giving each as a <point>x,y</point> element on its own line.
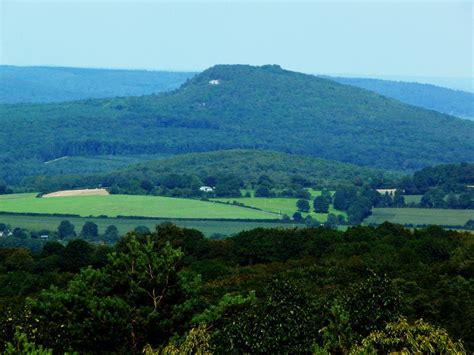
<point>432,97</point>
<point>238,107</point>
<point>312,290</point>
<point>56,84</point>
<point>184,174</point>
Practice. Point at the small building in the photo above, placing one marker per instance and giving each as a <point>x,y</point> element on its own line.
<point>44,237</point>
<point>214,82</point>
<point>206,189</point>
<point>390,192</point>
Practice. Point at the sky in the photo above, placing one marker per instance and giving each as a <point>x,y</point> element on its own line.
<point>371,38</point>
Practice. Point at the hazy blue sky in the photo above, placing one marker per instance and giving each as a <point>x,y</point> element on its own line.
<point>422,38</point>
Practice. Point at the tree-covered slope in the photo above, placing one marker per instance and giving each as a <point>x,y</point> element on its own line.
<point>55,84</point>
<point>200,168</point>
<point>453,102</point>
<point>248,107</point>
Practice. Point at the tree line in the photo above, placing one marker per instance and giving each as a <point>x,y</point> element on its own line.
<point>311,290</point>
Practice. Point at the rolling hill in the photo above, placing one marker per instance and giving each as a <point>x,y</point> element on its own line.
<point>56,84</point>
<point>239,106</point>
<point>453,102</point>
<point>248,165</point>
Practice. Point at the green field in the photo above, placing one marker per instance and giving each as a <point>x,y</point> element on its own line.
<point>419,216</point>
<point>279,205</point>
<point>128,205</point>
<point>124,225</point>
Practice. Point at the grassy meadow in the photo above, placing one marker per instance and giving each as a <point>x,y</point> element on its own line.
<point>128,205</point>
<point>418,216</point>
<point>280,205</point>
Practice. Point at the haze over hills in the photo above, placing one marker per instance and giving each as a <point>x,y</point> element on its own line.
<point>453,102</point>
<point>56,84</point>
<point>239,106</point>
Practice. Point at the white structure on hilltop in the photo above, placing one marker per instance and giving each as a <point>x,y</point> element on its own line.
<point>214,82</point>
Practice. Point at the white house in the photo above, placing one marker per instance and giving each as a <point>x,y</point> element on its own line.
<point>390,192</point>
<point>214,82</point>
<point>206,189</point>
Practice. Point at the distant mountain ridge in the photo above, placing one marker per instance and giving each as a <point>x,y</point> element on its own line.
<point>241,107</point>
<point>453,102</point>
<point>57,84</point>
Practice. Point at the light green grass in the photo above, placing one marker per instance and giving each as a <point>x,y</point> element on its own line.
<point>124,225</point>
<point>420,216</point>
<point>128,205</point>
<point>279,205</point>
<point>17,196</point>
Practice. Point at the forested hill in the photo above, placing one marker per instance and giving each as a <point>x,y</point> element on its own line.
<point>237,106</point>
<point>197,169</point>
<point>56,84</point>
<point>432,97</point>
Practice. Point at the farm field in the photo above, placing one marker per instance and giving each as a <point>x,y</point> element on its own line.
<point>420,216</point>
<point>124,225</point>
<point>128,205</point>
<point>280,205</point>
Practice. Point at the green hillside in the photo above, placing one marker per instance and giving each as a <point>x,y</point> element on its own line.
<point>195,169</point>
<point>265,108</point>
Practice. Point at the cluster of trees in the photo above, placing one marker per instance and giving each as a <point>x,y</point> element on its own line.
<point>356,202</point>
<point>320,203</point>
<point>65,231</point>
<point>438,198</point>
<point>447,177</point>
<point>262,291</point>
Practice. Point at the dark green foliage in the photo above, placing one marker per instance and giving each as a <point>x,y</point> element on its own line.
<point>297,217</point>
<point>90,230</point>
<point>138,298</point>
<point>302,205</point>
<point>66,229</point>
<point>448,177</point>
<point>262,191</point>
<point>4,188</point>
<point>357,202</point>
<point>276,290</point>
<point>371,304</point>
<point>321,204</point>
<point>265,108</point>
<point>281,321</point>
<point>111,234</point>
